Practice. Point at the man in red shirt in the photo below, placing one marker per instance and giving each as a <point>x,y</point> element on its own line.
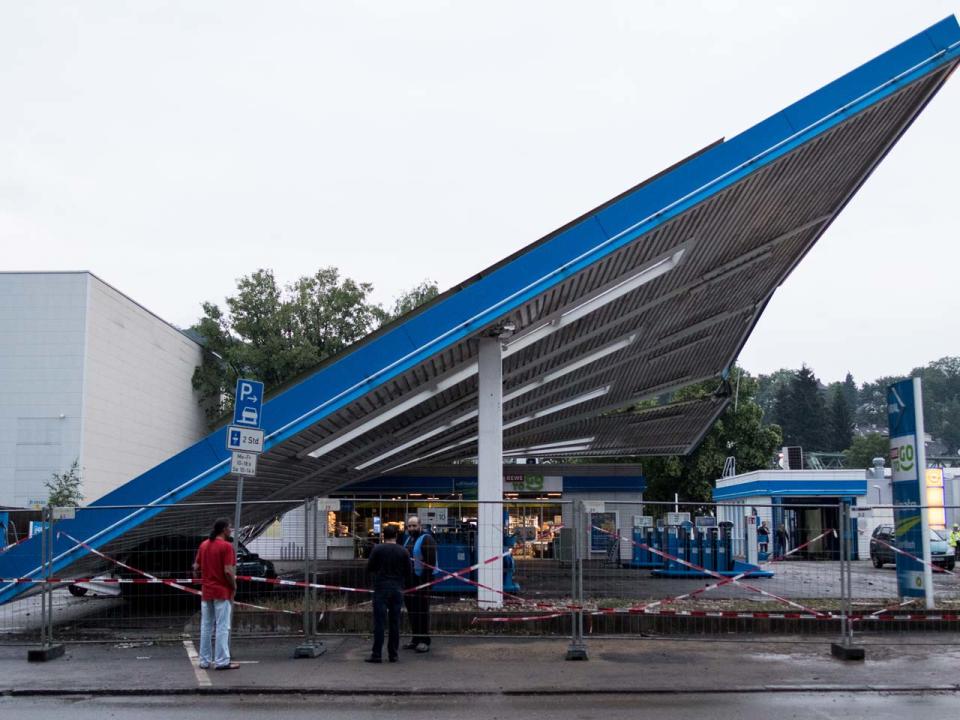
<point>216,563</point>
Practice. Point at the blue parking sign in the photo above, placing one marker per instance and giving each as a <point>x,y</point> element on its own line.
<point>247,403</point>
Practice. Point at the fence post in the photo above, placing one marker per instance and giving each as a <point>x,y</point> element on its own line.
<point>47,650</point>
<point>310,647</point>
<point>845,649</point>
<point>578,646</point>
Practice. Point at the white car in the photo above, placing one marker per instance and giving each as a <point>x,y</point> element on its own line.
<point>108,589</point>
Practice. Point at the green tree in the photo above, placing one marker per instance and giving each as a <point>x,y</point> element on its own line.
<point>739,431</point>
<point>769,388</point>
<point>781,409</point>
<point>941,400</point>
<point>66,488</point>
<point>804,417</point>
<point>871,415</point>
<point>414,297</point>
<point>841,420</point>
<point>275,333</point>
<point>851,394</point>
<point>864,449</point>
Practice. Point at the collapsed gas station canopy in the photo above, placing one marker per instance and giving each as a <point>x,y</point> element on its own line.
<point>656,289</point>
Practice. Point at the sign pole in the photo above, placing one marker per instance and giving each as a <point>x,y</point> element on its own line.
<point>922,484</point>
<point>236,513</point>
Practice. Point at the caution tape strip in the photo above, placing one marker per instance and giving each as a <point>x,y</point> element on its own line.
<point>170,583</point>
<point>101,581</point>
<point>457,574</point>
<point>716,575</point>
<point>933,567</point>
<point>735,578</point>
<point>798,548</point>
<point>647,608</point>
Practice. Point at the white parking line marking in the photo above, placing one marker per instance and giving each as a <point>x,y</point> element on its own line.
<point>203,680</point>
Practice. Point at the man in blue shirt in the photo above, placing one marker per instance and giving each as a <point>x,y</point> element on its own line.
<point>423,551</point>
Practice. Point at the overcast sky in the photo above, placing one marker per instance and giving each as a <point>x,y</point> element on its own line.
<point>173,147</point>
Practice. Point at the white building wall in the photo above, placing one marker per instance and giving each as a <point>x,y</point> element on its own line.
<point>41,375</point>
<point>87,374</point>
<point>139,405</point>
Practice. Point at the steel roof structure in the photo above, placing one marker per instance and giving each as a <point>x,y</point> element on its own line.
<point>654,290</point>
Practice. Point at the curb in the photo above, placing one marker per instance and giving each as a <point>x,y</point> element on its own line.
<point>537,692</point>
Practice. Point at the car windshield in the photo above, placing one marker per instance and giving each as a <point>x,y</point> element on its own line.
<point>936,535</point>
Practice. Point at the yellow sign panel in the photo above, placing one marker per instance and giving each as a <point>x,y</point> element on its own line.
<point>936,515</point>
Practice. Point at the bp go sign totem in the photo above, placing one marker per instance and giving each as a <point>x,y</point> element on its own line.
<point>908,462</point>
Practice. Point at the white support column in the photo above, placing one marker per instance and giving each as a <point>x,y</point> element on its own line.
<point>490,473</point>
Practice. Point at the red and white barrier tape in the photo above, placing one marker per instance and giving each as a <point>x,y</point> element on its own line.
<point>301,584</point>
<point>516,598</point>
<point>647,608</point>
<point>100,581</point>
<point>170,583</point>
<point>798,548</point>
<point>933,567</point>
<point>457,574</point>
<point>717,575</point>
<point>514,619</point>
<point>147,575</point>
<point>727,581</point>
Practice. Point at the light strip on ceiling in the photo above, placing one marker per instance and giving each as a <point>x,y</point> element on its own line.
<point>599,392</point>
<point>397,410</point>
<point>549,451</point>
<point>647,274</point>
<point>560,445</point>
<point>419,439</point>
<point>593,394</point>
<point>572,367</point>
<point>512,395</point>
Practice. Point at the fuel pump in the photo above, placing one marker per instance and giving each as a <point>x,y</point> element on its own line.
<point>750,523</point>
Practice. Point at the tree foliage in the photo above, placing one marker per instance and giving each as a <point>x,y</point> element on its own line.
<point>414,297</point>
<point>275,333</point>
<point>941,400</point>
<point>871,414</point>
<point>66,488</point>
<point>769,389</point>
<point>864,449</point>
<point>801,413</point>
<point>739,431</point>
<point>841,420</point>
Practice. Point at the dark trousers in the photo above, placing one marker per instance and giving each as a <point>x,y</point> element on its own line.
<point>387,606</point>
<point>418,608</point>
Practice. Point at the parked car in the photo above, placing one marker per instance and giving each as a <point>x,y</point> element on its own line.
<point>940,552</point>
<point>170,557</point>
<point>105,588</point>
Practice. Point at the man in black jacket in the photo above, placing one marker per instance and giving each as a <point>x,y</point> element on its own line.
<point>423,551</point>
<point>392,572</point>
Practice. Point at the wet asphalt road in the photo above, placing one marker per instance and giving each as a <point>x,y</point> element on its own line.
<point>782,706</point>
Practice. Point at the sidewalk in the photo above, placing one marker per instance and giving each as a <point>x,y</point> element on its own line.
<point>486,666</point>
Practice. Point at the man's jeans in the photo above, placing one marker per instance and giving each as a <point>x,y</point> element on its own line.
<point>215,612</point>
<point>387,606</point>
